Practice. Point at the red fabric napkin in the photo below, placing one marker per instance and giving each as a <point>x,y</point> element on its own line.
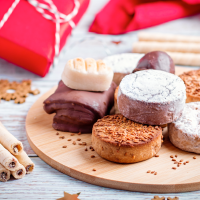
<point>121,16</point>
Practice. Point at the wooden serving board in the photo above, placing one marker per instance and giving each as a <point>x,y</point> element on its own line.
<point>76,162</point>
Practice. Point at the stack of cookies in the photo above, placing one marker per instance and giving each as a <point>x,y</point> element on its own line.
<point>147,100</point>
<point>84,95</point>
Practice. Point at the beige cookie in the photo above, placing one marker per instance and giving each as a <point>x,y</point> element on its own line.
<point>88,74</point>
<point>121,140</point>
<point>192,80</point>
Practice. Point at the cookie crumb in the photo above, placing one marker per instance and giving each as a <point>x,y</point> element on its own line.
<point>65,146</point>
<point>156,155</point>
<point>62,137</point>
<point>181,160</point>
<point>79,133</point>
<point>72,134</point>
<point>86,149</point>
<point>149,171</point>
<point>187,161</point>
<point>171,156</point>
<point>155,173</point>
<point>69,139</point>
<point>173,167</point>
<point>94,169</point>
<point>176,156</point>
<point>78,139</point>
<point>92,156</point>
<point>57,133</point>
<point>74,143</point>
<point>173,159</point>
<point>194,157</point>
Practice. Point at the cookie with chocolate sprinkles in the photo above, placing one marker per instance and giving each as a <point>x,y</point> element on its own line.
<point>118,139</point>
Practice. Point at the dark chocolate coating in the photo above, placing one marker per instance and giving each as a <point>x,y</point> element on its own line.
<point>77,111</point>
<point>158,60</point>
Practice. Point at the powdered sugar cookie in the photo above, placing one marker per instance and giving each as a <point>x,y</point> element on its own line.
<point>185,132</point>
<point>151,97</point>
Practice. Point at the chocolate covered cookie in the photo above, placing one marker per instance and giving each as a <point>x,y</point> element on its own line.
<point>158,60</point>
<point>151,97</point>
<point>77,111</point>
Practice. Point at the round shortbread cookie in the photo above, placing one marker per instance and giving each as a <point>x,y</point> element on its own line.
<point>192,80</point>
<point>151,97</point>
<point>121,140</point>
<point>184,133</point>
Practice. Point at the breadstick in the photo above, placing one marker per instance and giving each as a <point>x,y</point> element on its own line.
<point>7,159</point>
<point>25,161</point>
<point>159,37</point>
<point>4,174</point>
<point>9,141</point>
<point>19,172</point>
<point>145,47</point>
<point>191,59</point>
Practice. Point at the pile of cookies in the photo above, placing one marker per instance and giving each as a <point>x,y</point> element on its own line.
<point>146,100</point>
<point>84,95</point>
<point>13,160</point>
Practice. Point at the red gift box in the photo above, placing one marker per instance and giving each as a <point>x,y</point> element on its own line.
<point>27,39</point>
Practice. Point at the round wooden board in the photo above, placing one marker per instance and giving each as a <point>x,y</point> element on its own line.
<point>76,162</point>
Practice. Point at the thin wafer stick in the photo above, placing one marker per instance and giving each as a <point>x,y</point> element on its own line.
<point>7,159</point>
<point>160,37</point>
<point>19,172</point>
<point>9,141</point>
<point>145,47</point>
<point>190,59</point>
<point>25,161</point>
<point>4,174</point>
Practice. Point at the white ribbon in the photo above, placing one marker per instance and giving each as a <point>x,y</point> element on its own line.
<point>51,8</point>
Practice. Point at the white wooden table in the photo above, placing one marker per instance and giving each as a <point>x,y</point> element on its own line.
<point>46,182</point>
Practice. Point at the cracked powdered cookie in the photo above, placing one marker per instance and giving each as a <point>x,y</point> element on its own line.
<point>151,97</point>
<point>184,133</point>
<point>121,140</point>
<point>191,80</point>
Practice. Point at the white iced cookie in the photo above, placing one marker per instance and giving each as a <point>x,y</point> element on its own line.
<point>185,132</point>
<point>88,74</point>
<point>122,64</point>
